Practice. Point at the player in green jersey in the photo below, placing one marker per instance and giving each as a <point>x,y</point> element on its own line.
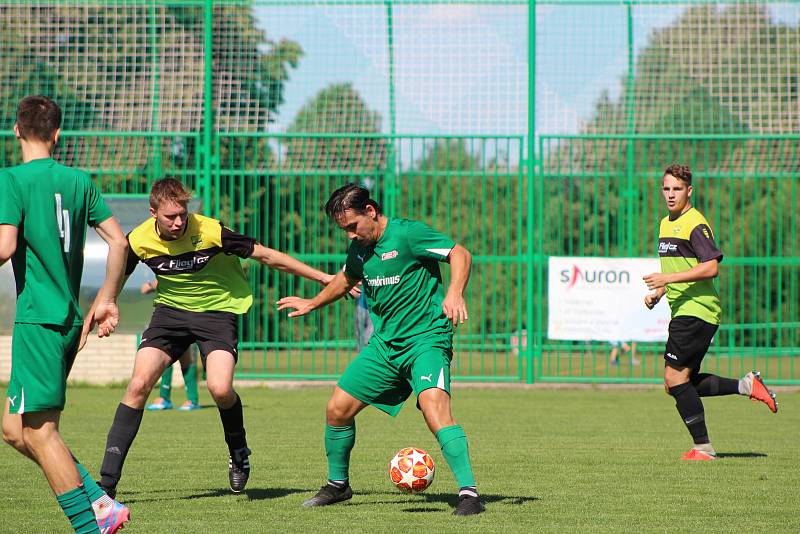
<point>689,263</point>
<point>411,347</point>
<point>201,292</point>
<point>45,208</point>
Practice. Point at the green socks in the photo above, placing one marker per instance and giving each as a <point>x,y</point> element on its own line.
<point>165,392</point>
<point>90,487</point>
<point>190,379</point>
<point>339,441</point>
<point>456,451</point>
<point>78,510</point>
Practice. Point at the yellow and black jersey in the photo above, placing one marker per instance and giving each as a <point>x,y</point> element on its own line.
<point>200,271</point>
<point>683,243</point>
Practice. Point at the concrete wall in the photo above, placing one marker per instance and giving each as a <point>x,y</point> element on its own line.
<point>102,361</point>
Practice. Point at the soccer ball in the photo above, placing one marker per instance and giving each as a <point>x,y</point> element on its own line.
<point>411,470</point>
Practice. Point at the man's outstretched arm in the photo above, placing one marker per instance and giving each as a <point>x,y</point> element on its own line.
<point>286,263</point>
<point>338,287</point>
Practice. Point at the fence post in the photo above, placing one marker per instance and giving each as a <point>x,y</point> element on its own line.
<point>208,103</point>
<point>533,352</point>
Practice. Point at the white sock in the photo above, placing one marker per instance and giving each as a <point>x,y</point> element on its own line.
<point>706,448</point>
<point>746,385</point>
<point>102,505</point>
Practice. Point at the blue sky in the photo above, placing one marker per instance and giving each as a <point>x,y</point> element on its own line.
<point>463,68</point>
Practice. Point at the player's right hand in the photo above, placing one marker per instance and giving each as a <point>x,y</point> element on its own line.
<point>651,300</point>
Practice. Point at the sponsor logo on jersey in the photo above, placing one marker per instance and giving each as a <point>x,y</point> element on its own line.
<point>383,281</point>
<point>197,240</point>
<point>665,247</point>
<point>388,255</point>
<point>360,258</point>
<point>182,264</point>
<point>428,378</point>
<point>672,356</point>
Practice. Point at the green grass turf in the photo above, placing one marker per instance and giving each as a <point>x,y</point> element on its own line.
<point>591,460</point>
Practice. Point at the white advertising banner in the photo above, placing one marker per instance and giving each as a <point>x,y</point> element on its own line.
<point>602,299</point>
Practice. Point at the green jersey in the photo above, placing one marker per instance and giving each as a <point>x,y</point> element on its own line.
<point>402,280</point>
<point>683,243</point>
<point>51,205</point>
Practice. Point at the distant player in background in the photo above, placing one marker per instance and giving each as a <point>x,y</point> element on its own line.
<point>202,291</point>
<point>412,345</point>
<point>188,370</point>
<point>623,347</point>
<point>45,208</point>
<point>364,326</point>
<point>689,263</point>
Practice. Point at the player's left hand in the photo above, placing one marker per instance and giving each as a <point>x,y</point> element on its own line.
<point>455,308</point>
<point>299,305</point>
<point>106,316</point>
<point>655,280</point>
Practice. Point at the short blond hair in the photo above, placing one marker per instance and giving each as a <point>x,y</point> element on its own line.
<point>170,190</point>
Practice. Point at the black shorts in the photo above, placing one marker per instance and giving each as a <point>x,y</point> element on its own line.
<point>173,331</point>
<point>688,342</point>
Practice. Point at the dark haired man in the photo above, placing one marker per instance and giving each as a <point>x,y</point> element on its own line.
<point>45,208</point>
<point>411,347</point>
<point>689,262</point>
<point>201,292</point>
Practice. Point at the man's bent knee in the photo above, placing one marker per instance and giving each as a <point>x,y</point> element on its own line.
<point>13,436</point>
<point>138,391</point>
<point>340,413</point>
<point>221,391</point>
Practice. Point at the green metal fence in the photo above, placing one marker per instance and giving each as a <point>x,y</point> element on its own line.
<point>523,129</point>
<point>447,181</point>
<point>595,201</point>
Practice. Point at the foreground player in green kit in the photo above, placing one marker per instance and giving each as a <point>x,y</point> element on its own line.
<point>397,261</point>
<point>45,208</point>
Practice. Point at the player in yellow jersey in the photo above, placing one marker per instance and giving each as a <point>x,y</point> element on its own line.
<point>689,263</point>
<point>201,292</point>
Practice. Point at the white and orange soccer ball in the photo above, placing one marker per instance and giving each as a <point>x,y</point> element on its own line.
<point>411,470</point>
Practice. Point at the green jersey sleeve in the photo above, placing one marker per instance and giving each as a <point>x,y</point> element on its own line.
<point>354,265</point>
<point>10,206</point>
<point>98,210</point>
<point>428,244</point>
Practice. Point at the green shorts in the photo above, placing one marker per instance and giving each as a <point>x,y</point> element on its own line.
<point>41,358</point>
<point>385,378</point>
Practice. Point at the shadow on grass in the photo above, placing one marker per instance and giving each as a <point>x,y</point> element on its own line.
<point>254,494</point>
<point>439,498</point>
<point>741,455</point>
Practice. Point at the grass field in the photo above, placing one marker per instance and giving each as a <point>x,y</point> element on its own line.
<point>547,460</point>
